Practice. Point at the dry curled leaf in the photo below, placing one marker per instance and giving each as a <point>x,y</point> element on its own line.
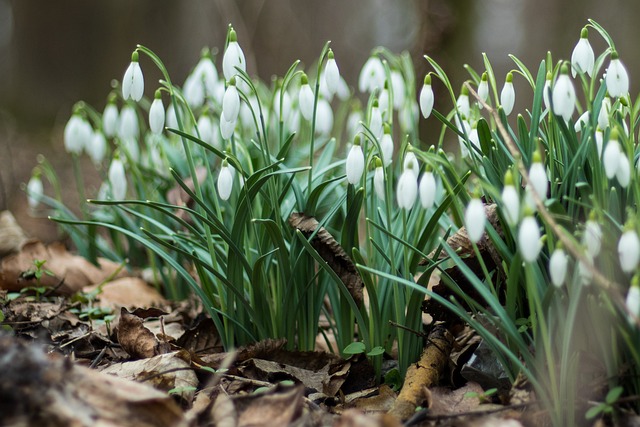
<point>138,341</point>
<point>331,251</point>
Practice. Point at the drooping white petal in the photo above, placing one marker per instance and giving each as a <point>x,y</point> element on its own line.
<point>305,101</point>
<point>110,120</point>
<point>617,78</point>
<point>411,162</point>
<point>206,129</point>
<point>623,173</point>
<point>539,180</point>
<point>483,91</point>
<point>603,114</point>
<point>529,239</point>
<point>133,82</point>
<point>629,251</point>
<point>355,164</point>
<point>233,57</point>
<point>231,103</point>
<point>35,190</point>
<point>128,126</point>
<point>427,189</point>
<point>564,97</point>
<point>324,118</point>
<point>156,116</point>
<point>372,75</point>
<point>558,267</point>
<point>378,182</point>
<point>407,190</point>
<point>398,87</point>
<point>426,100</point>
<point>508,97</point>
<point>225,182</point>
<point>592,238</point>
<point>332,75</point>
<point>226,128</point>
<point>546,92</point>
<point>97,147</point>
<point>582,57</point>
<point>475,218</point>
<point>375,122</point>
<point>599,141</point>
<point>510,204</point>
<point>463,105</point>
<point>611,158</point>
<point>77,134</point>
<point>386,148</point>
<point>117,179</point>
<point>583,120</point>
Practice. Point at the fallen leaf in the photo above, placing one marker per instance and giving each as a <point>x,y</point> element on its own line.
<point>127,292</point>
<point>279,406</point>
<point>138,341</point>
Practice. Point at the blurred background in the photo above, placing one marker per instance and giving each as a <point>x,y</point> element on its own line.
<point>53,54</point>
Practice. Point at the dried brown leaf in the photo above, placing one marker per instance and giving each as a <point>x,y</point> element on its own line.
<point>138,341</point>
<point>331,251</point>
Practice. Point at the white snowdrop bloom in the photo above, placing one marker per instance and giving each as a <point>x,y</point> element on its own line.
<point>546,91</point>
<point>629,251</point>
<point>564,95</point>
<point>386,146</point>
<point>408,116</point>
<point>231,102</point>
<point>133,80</point>
<point>427,190</point>
<point>157,114</point>
<point>110,120</point>
<point>583,120</point>
<point>407,189</point>
<point>582,58</point>
<point>324,118</point>
<point>383,102</point>
<point>411,163</point>
<point>282,105</point>
<point>206,73</point>
<point>426,97</point>
<point>632,302</point>
<point>592,238</point>
<point>171,119</point>
<point>378,180</point>
<point>623,173</point>
<point>510,200</point>
<point>117,179</point>
<point>375,120</point>
<point>331,73</point>
<point>247,111</point>
<point>616,77</point>
<point>206,128</point>
<point>399,90</point>
<point>538,178</point>
<point>603,114</point>
<point>128,126</point>
<point>508,95</point>
<point>233,57</point>
<point>227,128</point>
<point>225,181</point>
<point>355,163</point>
<point>473,136</point>
<point>343,91</point>
<point>97,147</point>
<point>529,239</point>
<point>611,155</point>
<point>305,98</point>
<point>77,134</point>
<point>599,140</point>
<point>475,218</point>
<point>193,91</point>
<point>35,190</point>
<point>558,267</point>
<point>483,88</point>
<point>131,147</point>
<point>372,75</point>
<point>463,102</point>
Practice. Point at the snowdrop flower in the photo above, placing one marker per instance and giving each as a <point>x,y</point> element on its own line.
<point>529,239</point>
<point>582,58</point>
<point>475,218</point>
<point>632,301</point>
<point>483,89</point>
<point>355,162</point>
<point>558,267</point>
<point>426,97</point>
<point>510,200</point>
<point>386,146</point>
<point>564,95</point>
<point>128,126</point>
<point>508,95</point>
<point>97,147</point>
<point>35,190</point>
<point>375,120</point>
<point>617,78</point>
<point>226,128</point>
<point>225,181</point>
<point>110,118</point>
<point>599,140</point>
<point>407,190</point>
<point>463,102</point>
<point>117,179</point>
<point>133,80</point>
<point>398,87</point>
<point>193,91</point>
<point>324,118</point>
<point>592,237</point>
<point>156,113</point>
<point>354,123</point>
<point>546,90</point>
<point>172,118</point>
<point>378,179</point>
<point>231,102</point>
<point>411,163</point>
<point>305,98</point>
<point>372,75</point>
<point>629,250</point>
<point>206,128</point>
<point>383,101</point>
<point>603,115</point>
<point>331,73</point>
<point>583,120</point>
<point>233,57</point>
<point>77,134</point>
<point>611,155</point>
<point>538,176</point>
<point>206,73</point>
<point>623,173</point>
<point>427,189</point>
